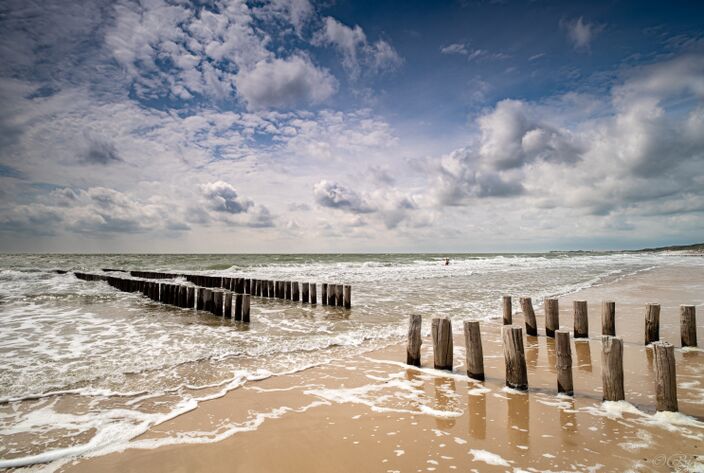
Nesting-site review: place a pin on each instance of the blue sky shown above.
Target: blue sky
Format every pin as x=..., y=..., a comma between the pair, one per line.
x=290, y=125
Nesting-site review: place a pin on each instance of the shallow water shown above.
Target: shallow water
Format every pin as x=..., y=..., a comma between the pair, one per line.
x=86, y=367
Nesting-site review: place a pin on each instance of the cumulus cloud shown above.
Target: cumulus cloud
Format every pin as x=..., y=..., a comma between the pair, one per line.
x=333, y=195
x=222, y=197
x=357, y=52
x=223, y=204
x=284, y=83
x=579, y=32
x=101, y=152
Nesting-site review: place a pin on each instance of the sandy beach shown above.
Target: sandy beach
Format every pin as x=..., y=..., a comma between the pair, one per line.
x=374, y=413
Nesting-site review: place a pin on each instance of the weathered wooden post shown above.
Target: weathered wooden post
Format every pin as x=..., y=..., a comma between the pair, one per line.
x=227, y=305
x=442, y=343
x=529, y=316
x=474, y=354
x=414, y=340
x=313, y=293
x=190, y=297
x=305, y=291
x=564, y=362
x=688, y=325
x=182, y=296
x=665, y=377
x=287, y=295
x=331, y=295
x=201, y=298
x=338, y=295
x=612, y=368
x=347, y=296
x=608, y=318
x=295, y=294
x=652, y=323
x=208, y=300
x=514, y=357
x=324, y=294
x=508, y=311
x=552, y=316
x=217, y=302
x=238, y=306
x=581, y=321
x=245, y=308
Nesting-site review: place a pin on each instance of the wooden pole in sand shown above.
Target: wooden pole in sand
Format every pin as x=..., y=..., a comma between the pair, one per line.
x=245, y=308
x=313, y=293
x=552, y=316
x=665, y=377
x=474, y=355
x=442, y=343
x=652, y=323
x=529, y=316
x=515, y=358
x=608, y=318
x=508, y=311
x=305, y=291
x=581, y=320
x=414, y=340
x=347, y=296
x=688, y=325
x=324, y=294
x=612, y=368
x=564, y=362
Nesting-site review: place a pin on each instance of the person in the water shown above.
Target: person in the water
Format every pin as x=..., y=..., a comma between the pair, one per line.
x=447, y=261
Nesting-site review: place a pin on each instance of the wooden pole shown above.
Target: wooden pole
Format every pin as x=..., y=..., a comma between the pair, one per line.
x=688, y=325
x=581, y=320
x=295, y=294
x=442, y=343
x=508, y=311
x=665, y=377
x=217, y=302
x=564, y=362
x=529, y=316
x=652, y=323
x=245, y=308
x=208, y=300
x=348, y=296
x=238, y=306
x=313, y=293
x=612, y=368
x=338, y=295
x=201, y=297
x=414, y=340
x=552, y=316
x=331, y=295
x=515, y=358
x=227, y=305
x=474, y=355
x=287, y=294
x=305, y=291
x=324, y=294
x=608, y=318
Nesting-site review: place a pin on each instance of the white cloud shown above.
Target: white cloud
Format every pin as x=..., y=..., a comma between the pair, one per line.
x=455, y=48
x=579, y=32
x=285, y=83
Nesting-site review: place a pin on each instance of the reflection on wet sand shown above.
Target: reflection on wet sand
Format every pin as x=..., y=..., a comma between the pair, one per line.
x=476, y=405
x=532, y=351
x=552, y=356
x=445, y=401
x=568, y=422
x=584, y=356
x=518, y=418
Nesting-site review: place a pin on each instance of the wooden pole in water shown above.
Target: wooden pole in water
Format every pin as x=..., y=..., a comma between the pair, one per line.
x=552, y=316
x=295, y=293
x=324, y=294
x=581, y=321
x=564, y=362
x=238, y=306
x=529, y=316
x=688, y=325
x=442, y=343
x=508, y=310
x=182, y=296
x=227, y=305
x=652, y=323
x=474, y=355
x=245, y=308
x=612, y=368
x=201, y=297
x=665, y=377
x=331, y=295
x=514, y=357
x=208, y=300
x=305, y=291
x=313, y=293
x=347, y=296
x=217, y=303
x=414, y=340
x=608, y=318
x=338, y=295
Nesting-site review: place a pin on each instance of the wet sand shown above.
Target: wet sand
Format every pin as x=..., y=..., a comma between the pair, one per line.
x=376, y=414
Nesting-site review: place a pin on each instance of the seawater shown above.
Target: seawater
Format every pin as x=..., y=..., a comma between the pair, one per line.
x=86, y=368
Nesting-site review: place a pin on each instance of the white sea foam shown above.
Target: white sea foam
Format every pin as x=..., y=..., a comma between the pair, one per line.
x=489, y=458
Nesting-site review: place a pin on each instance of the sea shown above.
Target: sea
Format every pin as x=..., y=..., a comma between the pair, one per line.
x=85, y=368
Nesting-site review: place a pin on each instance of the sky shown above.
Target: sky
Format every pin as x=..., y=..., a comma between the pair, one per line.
x=289, y=126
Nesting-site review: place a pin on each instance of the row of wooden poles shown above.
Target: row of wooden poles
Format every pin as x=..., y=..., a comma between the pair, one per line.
x=216, y=301
x=514, y=354
x=688, y=325
x=339, y=295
